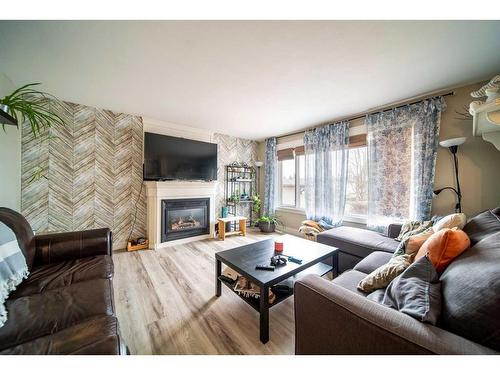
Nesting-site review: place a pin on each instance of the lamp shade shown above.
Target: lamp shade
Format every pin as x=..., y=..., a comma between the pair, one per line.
x=452, y=142
x=259, y=164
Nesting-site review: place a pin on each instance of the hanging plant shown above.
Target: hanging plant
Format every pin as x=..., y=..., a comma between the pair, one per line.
x=29, y=104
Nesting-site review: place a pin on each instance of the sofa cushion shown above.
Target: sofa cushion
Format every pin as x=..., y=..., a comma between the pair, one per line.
x=94, y=336
x=482, y=225
x=444, y=246
x=456, y=220
x=57, y=275
x=416, y=292
x=382, y=276
x=45, y=313
x=373, y=261
x=471, y=293
x=356, y=241
x=350, y=280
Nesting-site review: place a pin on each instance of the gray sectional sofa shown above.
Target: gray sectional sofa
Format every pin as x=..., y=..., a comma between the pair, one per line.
x=334, y=317
x=354, y=244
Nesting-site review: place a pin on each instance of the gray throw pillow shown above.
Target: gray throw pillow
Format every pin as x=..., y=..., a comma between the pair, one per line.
x=416, y=292
x=483, y=225
x=471, y=293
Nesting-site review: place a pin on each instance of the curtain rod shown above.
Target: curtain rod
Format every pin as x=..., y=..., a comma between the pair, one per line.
x=361, y=115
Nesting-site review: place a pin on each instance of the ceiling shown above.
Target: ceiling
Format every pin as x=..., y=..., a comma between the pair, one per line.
x=251, y=79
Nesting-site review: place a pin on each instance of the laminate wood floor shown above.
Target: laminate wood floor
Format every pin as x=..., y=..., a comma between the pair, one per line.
x=165, y=304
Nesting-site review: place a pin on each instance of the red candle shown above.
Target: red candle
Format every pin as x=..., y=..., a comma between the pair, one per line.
x=278, y=246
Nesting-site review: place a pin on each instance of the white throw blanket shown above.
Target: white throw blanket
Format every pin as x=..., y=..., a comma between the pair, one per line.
x=13, y=267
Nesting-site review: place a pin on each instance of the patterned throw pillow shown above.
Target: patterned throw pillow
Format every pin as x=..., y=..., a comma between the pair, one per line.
x=413, y=227
x=382, y=276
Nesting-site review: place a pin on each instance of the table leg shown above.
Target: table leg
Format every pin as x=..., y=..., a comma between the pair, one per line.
x=243, y=227
x=264, y=315
x=222, y=230
x=335, y=264
x=218, y=272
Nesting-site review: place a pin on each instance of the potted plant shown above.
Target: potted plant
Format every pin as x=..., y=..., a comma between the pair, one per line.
x=267, y=224
x=29, y=104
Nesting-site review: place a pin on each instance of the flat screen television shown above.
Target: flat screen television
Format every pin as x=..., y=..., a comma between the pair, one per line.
x=172, y=158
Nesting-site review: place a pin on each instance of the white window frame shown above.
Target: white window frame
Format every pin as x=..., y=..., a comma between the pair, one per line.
x=290, y=207
x=356, y=218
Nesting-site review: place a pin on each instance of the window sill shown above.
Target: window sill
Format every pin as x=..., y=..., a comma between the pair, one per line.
x=355, y=219
x=291, y=210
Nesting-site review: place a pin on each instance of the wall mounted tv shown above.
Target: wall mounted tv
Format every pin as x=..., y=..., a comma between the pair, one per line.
x=171, y=158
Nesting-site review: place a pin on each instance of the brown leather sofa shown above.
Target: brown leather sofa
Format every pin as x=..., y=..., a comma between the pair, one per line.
x=65, y=306
x=334, y=317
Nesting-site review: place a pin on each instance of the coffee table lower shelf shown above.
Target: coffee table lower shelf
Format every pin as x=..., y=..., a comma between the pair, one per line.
x=320, y=269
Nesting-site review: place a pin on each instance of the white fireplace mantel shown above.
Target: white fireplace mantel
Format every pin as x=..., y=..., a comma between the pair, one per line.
x=158, y=190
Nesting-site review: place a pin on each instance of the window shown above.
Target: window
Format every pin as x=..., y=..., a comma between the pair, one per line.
x=292, y=176
x=357, y=184
x=287, y=178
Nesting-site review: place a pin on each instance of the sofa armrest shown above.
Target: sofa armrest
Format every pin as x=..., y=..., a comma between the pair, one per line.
x=58, y=247
x=393, y=230
x=330, y=319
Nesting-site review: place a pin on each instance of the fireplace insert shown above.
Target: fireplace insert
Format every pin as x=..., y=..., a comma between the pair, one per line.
x=182, y=218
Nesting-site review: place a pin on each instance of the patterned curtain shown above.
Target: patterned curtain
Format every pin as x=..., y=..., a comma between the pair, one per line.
x=271, y=178
x=326, y=157
x=402, y=149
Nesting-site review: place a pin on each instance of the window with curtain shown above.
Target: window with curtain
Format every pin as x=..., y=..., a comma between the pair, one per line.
x=402, y=149
x=356, y=207
x=291, y=178
x=326, y=157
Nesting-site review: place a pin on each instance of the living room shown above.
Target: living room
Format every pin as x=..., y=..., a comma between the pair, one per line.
x=160, y=177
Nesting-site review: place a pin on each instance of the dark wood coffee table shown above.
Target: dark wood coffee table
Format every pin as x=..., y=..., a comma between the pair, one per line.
x=243, y=260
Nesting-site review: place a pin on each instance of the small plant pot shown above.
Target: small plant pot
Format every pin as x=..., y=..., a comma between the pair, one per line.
x=267, y=227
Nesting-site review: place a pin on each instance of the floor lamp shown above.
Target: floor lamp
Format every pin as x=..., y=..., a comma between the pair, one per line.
x=452, y=145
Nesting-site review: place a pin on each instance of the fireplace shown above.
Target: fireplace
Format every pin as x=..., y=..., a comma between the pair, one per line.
x=182, y=218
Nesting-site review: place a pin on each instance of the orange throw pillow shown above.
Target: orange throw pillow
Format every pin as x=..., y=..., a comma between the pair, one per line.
x=444, y=246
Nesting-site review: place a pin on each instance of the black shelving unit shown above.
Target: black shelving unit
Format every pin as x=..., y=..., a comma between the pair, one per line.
x=239, y=189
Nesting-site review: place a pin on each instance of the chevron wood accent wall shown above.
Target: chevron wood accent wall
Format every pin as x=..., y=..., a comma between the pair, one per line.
x=230, y=149
x=93, y=173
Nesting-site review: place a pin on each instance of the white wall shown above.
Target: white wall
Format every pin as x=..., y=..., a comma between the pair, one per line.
x=10, y=167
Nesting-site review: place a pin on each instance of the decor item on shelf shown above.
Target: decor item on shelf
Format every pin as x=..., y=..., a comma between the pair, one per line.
x=486, y=114
x=224, y=211
x=267, y=224
x=27, y=103
x=452, y=144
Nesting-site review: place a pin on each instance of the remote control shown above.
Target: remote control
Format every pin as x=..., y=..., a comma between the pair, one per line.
x=264, y=267
x=294, y=260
